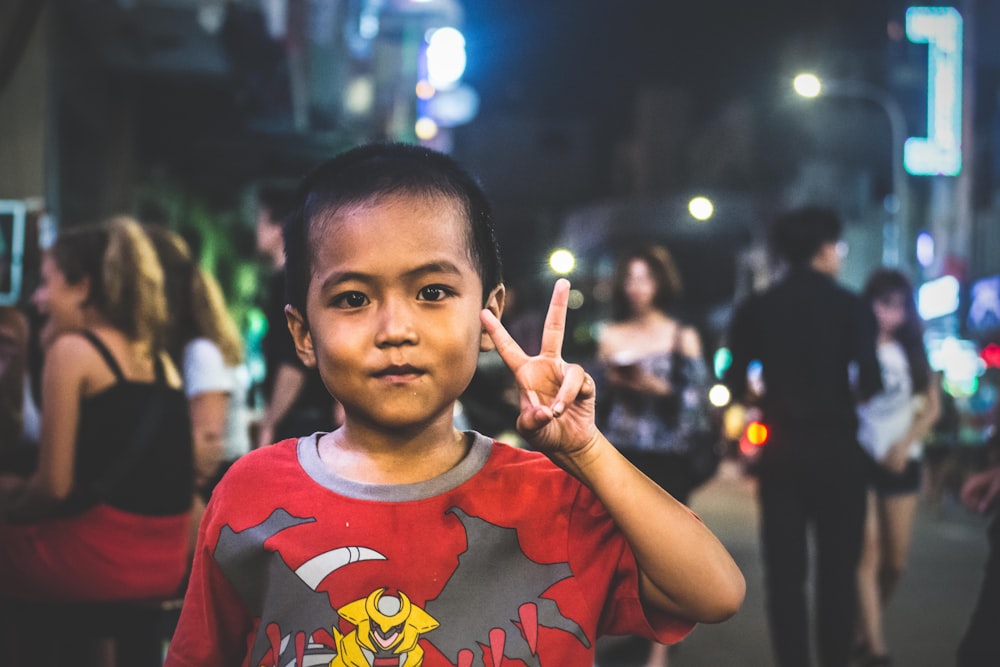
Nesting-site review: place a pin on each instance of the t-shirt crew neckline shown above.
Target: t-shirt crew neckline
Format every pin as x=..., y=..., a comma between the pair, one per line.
x=475, y=459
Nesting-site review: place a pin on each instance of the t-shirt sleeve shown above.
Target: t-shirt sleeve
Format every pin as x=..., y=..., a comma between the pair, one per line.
x=604, y=562
x=204, y=369
x=214, y=624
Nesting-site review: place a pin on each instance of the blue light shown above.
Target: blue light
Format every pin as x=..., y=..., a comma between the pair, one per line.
x=925, y=249
x=940, y=153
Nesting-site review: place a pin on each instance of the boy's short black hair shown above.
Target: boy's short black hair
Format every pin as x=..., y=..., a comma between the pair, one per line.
x=797, y=235
x=378, y=170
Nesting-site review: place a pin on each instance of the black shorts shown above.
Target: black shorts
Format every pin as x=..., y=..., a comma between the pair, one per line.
x=887, y=483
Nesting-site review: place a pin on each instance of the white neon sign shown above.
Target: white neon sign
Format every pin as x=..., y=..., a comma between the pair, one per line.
x=940, y=153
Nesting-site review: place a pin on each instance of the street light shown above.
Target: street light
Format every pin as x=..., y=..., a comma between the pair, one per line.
x=701, y=208
x=562, y=261
x=895, y=239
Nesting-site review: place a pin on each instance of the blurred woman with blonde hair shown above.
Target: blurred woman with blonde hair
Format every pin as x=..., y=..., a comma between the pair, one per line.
x=204, y=340
x=105, y=514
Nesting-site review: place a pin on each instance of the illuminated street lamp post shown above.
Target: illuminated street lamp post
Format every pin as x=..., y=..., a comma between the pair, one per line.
x=895, y=237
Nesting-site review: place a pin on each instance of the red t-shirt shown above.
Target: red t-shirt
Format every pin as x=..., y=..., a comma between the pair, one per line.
x=505, y=558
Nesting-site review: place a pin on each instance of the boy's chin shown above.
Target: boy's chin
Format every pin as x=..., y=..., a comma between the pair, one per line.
x=401, y=421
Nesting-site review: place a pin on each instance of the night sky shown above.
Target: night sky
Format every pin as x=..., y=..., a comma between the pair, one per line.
x=583, y=57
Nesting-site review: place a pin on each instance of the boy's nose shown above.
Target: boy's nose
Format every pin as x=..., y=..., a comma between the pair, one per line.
x=396, y=324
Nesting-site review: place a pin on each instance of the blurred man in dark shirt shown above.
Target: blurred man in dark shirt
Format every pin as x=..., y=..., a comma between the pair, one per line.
x=296, y=402
x=815, y=342
x=980, y=645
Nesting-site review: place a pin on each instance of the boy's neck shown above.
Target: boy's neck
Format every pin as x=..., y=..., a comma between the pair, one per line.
x=377, y=456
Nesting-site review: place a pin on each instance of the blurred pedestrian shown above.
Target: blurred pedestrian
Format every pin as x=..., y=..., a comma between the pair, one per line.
x=105, y=515
x=204, y=340
x=893, y=426
x=649, y=359
x=980, y=646
x=18, y=413
x=296, y=402
x=806, y=332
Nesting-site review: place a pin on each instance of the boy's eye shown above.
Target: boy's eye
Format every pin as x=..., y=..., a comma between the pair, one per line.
x=433, y=293
x=350, y=300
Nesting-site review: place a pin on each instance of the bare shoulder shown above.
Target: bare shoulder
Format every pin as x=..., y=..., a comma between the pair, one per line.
x=73, y=358
x=71, y=347
x=688, y=341
x=609, y=336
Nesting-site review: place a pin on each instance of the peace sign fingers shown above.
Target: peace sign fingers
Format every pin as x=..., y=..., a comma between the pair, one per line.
x=554, y=330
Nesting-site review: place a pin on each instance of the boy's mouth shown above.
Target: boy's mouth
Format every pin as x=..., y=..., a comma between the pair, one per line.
x=399, y=372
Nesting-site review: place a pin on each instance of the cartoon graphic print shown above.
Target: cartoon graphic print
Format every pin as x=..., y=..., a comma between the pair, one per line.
x=299, y=627
x=486, y=576
x=386, y=631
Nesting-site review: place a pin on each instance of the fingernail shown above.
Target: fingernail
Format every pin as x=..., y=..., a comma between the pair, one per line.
x=558, y=409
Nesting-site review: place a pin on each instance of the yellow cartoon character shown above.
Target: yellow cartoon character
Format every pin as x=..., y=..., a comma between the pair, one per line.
x=386, y=630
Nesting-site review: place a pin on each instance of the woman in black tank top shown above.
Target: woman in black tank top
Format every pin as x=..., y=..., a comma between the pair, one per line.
x=104, y=516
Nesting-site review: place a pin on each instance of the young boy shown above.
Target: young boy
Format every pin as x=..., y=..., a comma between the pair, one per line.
x=397, y=540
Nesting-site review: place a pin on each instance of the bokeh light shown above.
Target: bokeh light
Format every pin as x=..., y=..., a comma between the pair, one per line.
x=701, y=208
x=446, y=57
x=425, y=90
x=562, y=261
x=925, y=249
x=719, y=395
x=807, y=85
x=425, y=129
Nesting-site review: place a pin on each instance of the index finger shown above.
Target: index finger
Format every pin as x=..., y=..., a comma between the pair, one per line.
x=508, y=349
x=555, y=320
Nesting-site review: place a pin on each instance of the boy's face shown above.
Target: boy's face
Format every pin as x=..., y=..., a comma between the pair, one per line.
x=393, y=309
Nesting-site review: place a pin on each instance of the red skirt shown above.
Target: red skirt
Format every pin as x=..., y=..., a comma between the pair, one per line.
x=102, y=554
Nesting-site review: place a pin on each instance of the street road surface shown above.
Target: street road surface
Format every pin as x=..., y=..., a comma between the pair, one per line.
x=925, y=619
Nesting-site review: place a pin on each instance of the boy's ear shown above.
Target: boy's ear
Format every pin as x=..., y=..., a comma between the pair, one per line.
x=299, y=329
x=494, y=304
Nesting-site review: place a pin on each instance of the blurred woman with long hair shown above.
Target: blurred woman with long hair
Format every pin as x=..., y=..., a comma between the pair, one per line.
x=650, y=359
x=204, y=340
x=892, y=427
x=105, y=514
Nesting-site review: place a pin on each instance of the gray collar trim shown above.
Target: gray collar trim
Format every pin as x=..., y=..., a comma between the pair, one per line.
x=479, y=452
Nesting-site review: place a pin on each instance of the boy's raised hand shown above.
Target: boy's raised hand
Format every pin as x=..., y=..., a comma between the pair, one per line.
x=557, y=398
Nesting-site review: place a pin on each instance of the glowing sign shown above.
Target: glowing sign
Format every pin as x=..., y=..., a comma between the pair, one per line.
x=12, y=228
x=940, y=153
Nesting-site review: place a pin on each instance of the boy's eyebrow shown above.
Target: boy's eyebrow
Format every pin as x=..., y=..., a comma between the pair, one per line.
x=443, y=266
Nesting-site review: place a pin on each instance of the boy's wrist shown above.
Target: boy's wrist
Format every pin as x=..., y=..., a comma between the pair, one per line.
x=580, y=461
